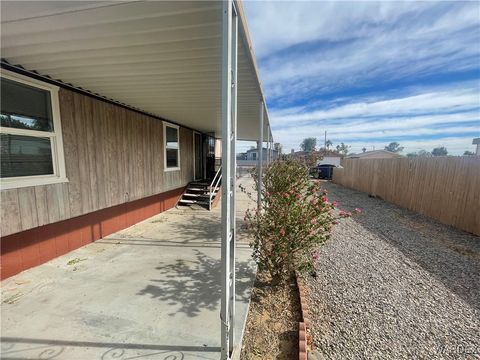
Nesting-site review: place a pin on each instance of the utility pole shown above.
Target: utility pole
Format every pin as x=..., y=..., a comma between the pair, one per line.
x=325, y=143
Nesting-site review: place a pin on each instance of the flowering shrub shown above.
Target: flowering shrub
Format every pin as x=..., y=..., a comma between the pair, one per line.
x=295, y=217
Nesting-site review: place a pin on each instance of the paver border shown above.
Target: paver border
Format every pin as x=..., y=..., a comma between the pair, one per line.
x=304, y=336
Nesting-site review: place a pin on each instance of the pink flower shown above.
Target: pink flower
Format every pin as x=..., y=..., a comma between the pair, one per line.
x=316, y=256
x=357, y=211
x=344, y=214
x=324, y=198
x=334, y=204
x=314, y=221
x=282, y=232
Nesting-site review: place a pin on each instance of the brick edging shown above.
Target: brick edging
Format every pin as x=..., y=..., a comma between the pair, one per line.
x=304, y=337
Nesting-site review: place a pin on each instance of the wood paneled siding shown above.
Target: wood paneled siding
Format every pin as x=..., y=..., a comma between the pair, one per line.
x=112, y=156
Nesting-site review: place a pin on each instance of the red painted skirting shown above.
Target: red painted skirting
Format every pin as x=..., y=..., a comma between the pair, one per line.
x=36, y=246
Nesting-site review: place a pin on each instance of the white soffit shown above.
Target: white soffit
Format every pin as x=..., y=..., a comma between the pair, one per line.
x=162, y=57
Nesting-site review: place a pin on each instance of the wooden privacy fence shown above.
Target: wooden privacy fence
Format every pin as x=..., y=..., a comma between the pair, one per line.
x=444, y=188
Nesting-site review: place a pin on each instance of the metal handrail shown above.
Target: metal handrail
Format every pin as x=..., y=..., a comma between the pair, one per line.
x=214, y=185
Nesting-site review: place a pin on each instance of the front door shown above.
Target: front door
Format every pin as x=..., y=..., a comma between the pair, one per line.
x=197, y=156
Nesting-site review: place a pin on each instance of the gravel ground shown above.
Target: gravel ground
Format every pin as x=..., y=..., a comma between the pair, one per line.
x=392, y=284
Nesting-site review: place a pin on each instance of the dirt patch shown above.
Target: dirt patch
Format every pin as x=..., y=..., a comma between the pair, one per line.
x=272, y=324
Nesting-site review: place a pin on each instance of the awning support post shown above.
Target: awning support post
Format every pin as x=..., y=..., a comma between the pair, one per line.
x=260, y=159
x=229, y=136
x=233, y=175
x=268, y=146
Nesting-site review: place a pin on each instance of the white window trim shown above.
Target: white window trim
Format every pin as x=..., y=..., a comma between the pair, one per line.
x=165, y=125
x=58, y=158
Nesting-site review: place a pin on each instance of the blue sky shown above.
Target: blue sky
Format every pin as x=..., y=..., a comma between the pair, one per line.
x=370, y=72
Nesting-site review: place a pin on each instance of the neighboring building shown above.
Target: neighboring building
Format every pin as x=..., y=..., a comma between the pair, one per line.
x=375, y=154
x=332, y=159
x=324, y=157
x=476, y=141
x=242, y=156
x=107, y=114
x=250, y=157
x=300, y=154
x=252, y=154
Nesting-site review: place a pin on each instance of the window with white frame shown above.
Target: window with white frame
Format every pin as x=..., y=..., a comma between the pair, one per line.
x=172, y=147
x=31, y=147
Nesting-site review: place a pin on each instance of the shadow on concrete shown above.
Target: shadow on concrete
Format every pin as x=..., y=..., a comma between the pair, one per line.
x=195, y=285
x=450, y=255
x=154, y=242
x=20, y=348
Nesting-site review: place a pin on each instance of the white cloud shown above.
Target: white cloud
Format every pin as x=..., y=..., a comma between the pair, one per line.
x=310, y=49
x=431, y=102
x=391, y=40
x=455, y=145
x=294, y=22
x=411, y=120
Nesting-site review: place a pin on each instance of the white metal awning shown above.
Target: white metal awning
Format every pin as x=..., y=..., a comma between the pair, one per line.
x=161, y=57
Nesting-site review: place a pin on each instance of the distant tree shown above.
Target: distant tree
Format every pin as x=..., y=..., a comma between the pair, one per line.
x=412, y=154
x=364, y=149
x=253, y=147
x=343, y=148
x=468, y=153
x=394, y=147
x=308, y=144
x=278, y=148
x=424, y=153
x=328, y=143
x=439, y=151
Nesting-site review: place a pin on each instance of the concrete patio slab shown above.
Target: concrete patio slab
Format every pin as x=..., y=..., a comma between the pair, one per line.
x=149, y=291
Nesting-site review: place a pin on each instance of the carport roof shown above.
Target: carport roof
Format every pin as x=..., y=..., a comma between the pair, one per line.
x=161, y=57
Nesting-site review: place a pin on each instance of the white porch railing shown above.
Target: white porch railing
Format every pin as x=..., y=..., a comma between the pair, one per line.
x=214, y=186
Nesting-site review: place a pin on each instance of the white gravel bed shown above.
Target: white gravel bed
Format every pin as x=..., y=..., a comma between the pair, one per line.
x=392, y=284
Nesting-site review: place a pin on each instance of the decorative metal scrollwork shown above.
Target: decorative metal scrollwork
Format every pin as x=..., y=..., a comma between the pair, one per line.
x=117, y=353
x=47, y=352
